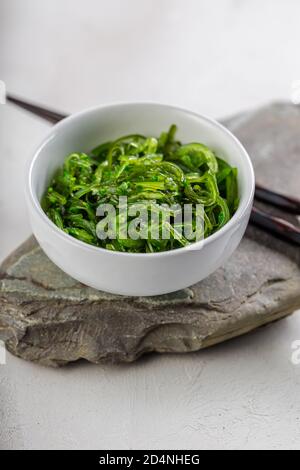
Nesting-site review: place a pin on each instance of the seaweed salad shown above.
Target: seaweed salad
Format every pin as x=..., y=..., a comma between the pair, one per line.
x=161, y=175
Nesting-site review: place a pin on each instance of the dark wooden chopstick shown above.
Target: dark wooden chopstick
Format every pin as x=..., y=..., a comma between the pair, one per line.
x=48, y=114
x=286, y=203
x=275, y=225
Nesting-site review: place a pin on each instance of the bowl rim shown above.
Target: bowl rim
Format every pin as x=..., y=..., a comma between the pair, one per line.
x=35, y=204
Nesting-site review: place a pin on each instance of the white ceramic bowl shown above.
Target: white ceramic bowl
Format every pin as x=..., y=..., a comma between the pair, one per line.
x=126, y=273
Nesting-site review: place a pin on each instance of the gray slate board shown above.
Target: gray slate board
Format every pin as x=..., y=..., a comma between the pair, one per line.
x=49, y=318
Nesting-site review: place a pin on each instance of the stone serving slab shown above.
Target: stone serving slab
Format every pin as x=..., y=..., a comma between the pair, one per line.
x=49, y=318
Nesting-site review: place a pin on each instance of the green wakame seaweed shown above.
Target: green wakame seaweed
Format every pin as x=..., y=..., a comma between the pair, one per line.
x=158, y=173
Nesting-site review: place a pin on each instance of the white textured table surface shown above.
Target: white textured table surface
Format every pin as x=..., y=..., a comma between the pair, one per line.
x=216, y=58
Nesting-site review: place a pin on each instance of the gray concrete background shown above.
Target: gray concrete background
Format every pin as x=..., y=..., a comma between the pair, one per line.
x=214, y=57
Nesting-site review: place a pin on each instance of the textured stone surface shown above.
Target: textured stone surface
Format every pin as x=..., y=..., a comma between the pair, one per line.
x=47, y=317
